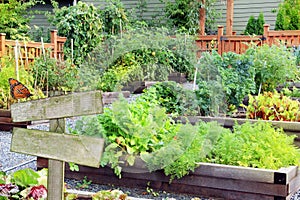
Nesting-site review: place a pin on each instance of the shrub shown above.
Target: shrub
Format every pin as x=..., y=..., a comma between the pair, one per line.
x=184, y=15
x=81, y=23
x=14, y=19
x=137, y=55
x=255, y=26
x=288, y=16
x=273, y=65
x=230, y=78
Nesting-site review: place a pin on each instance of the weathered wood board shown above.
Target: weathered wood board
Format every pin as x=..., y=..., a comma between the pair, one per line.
x=77, y=104
x=64, y=147
x=208, y=180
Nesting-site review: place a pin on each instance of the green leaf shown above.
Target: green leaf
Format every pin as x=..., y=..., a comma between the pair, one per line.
x=25, y=177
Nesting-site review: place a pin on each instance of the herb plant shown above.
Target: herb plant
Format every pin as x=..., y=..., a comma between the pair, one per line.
x=273, y=65
x=53, y=74
x=173, y=97
x=256, y=145
x=293, y=92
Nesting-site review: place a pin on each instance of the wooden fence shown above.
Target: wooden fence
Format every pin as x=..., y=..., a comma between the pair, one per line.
x=240, y=43
x=27, y=51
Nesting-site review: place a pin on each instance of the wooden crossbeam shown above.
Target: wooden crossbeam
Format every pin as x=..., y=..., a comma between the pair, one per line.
x=64, y=147
x=77, y=104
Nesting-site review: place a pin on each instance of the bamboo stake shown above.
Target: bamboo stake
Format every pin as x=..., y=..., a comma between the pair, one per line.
x=195, y=78
x=72, y=51
x=17, y=61
x=43, y=48
x=26, y=54
x=19, y=52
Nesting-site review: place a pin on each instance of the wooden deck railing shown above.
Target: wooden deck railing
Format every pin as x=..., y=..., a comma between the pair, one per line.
x=240, y=43
x=27, y=51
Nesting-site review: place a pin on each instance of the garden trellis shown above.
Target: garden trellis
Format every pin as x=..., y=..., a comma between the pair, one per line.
x=54, y=144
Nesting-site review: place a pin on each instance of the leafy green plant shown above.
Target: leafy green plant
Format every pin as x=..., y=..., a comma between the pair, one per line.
x=114, y=17
x=138, y=55
x=53, y=74
x=139, y=129
x=273, y=106
x=273, y=65
x=8, y=70
x=288, y=16
x=173, y=97
x=82, y=24
x=85, y=183
x=255, y=26
x=294, y=92
x=24, y=184
x=256, y=145
x=14, y=19
x=202, y=144
x=233, y=72
x=184, y=15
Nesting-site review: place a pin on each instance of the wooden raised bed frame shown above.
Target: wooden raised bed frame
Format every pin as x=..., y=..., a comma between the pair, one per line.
x=208, y=180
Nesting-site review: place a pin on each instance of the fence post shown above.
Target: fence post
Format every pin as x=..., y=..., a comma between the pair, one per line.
x=220, y=34
x=2, y=45
x=202, y=18
x=54, y=42
x=266, y=33
x=229, y=17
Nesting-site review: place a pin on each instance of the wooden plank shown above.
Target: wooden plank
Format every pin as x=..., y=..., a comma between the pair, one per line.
x=55, y=182
x=235, y=172
x=229, y=122
x=65, y=147
x=77, y=104
x=109, y=97
x=294, y=184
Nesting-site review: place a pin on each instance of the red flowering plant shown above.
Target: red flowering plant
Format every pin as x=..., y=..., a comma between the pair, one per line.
x=23, y=184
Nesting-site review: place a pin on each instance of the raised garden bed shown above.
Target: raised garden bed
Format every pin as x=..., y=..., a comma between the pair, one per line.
x=208, y=180
x=138, y=86
x=6, y=123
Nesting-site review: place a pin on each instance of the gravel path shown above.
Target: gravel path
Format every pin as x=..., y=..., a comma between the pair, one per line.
x=10, y=162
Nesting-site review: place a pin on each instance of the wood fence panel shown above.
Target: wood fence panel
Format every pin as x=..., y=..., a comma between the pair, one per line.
x=28, y=51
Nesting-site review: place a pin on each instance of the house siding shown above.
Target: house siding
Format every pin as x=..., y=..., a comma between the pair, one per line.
x=242, y=11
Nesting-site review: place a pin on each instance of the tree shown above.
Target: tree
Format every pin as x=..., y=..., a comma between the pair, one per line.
x=14, y=18
x=288, y=16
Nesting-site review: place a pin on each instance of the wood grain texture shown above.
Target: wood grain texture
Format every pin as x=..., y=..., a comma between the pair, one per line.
x=64, y=147
x=76, y=104
x=56, y=168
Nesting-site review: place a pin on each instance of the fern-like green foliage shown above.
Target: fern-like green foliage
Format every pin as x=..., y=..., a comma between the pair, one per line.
x=256, y=145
